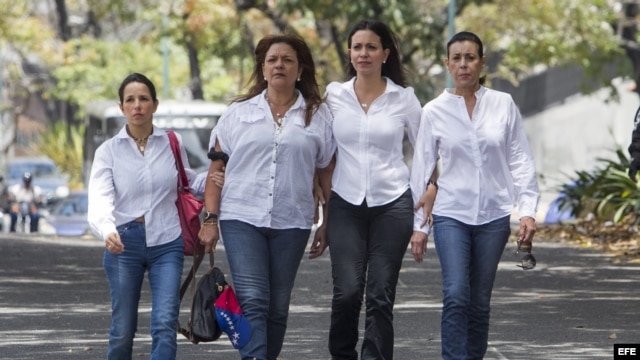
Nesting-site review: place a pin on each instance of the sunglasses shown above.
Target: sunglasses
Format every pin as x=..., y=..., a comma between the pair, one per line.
x=528, y=262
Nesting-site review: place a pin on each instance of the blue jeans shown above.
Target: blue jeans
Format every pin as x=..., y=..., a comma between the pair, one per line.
x=125, y=273
x=263, y=263
x=33, y=223
x=469, y=257
x=367, y=245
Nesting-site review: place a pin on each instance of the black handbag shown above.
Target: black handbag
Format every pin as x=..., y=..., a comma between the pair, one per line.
x=202, y=325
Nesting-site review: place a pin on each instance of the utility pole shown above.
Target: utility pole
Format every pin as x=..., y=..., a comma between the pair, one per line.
x=452, y=31
x=165, y=59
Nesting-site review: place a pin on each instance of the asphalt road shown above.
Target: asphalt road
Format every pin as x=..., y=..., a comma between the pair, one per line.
x=54, y=304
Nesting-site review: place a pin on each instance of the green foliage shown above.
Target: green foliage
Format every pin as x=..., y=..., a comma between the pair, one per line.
x=92, y=69
x=65, y=152
x=551, y=33
x=607, y=191
x=419, y=25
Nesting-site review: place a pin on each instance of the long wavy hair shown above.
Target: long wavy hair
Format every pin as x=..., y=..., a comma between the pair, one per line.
x=392, y=68
x=308, y=85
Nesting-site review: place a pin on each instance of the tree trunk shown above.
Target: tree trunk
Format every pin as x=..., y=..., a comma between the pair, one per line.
x=629, y=40
x=195, y=82
x=63, y=20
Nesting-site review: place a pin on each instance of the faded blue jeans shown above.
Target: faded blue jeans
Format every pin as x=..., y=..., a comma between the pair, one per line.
x=264, y=263
x=469, y=257
x=125, y=273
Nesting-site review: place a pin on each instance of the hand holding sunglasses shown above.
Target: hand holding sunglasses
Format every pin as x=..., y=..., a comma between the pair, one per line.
x=528, y=262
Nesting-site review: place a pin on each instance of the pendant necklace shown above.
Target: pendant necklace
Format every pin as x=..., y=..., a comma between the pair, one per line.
x=279, y=118
x=141, y=142
x=364, y=106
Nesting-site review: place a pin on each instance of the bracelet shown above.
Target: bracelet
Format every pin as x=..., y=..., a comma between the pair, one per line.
x=209, y=223
x=431, y=182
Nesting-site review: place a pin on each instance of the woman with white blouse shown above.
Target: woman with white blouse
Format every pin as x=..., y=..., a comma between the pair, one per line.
x=487, y=168
x=132, y=206
x=275, y=136
x=370, y=208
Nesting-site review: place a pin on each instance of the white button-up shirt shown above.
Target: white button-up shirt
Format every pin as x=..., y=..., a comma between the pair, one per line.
x=487, y=165
x=269, y=176
x=124, y=185
x=370, y=163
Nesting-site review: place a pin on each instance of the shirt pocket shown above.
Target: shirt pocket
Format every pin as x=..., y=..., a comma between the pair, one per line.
x=251, y=117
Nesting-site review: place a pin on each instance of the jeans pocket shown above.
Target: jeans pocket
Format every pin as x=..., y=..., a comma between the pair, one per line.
x=122, y=229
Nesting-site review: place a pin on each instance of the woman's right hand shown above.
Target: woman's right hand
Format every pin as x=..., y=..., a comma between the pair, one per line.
x=113, y=243
x=209, y=235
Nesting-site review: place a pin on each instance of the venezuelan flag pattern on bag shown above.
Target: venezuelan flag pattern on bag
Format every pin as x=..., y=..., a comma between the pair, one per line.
x=230, y=318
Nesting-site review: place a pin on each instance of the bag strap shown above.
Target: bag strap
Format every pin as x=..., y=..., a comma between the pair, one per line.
x=198, y=256
x=183, y=181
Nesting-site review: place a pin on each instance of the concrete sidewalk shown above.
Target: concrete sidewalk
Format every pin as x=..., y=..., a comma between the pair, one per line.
x=54, y=304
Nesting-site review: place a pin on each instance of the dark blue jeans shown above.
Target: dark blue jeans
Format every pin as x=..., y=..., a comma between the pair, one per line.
x=263, y=263
x=125, y=273
x=469, y=257
x=33, y=222
x=367, y=245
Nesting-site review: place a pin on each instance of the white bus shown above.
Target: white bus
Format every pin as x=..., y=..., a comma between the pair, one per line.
x=193, y=120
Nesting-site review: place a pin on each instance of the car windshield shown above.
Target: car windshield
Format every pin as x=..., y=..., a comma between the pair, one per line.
x=74, y=204
x=37, y=170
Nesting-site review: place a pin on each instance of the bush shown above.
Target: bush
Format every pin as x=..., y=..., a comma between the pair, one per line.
x=65, y=152
x=607, y=192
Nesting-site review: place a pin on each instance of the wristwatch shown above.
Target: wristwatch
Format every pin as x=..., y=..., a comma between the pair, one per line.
x=210, y=216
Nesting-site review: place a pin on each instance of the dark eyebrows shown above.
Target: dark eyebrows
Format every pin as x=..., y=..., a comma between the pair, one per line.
x=285, y=56
x=464, y=54
x=367, y=44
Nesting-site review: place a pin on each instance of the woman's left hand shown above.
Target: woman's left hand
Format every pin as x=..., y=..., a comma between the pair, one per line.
x=426, y=202
x=527, y=229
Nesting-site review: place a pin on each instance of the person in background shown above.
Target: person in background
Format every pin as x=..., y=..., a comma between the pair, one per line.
x=24, y=199
x=4, y=195
x=634, y=148
x=487, y=168
x=4, y=202
x=274, y=137
x=369, y=215
x=132, y=207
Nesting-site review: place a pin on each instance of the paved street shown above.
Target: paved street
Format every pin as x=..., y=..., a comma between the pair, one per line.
x=576, y=304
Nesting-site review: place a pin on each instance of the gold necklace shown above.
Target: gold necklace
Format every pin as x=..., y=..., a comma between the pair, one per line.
x=279, y=118
x=141, y=142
